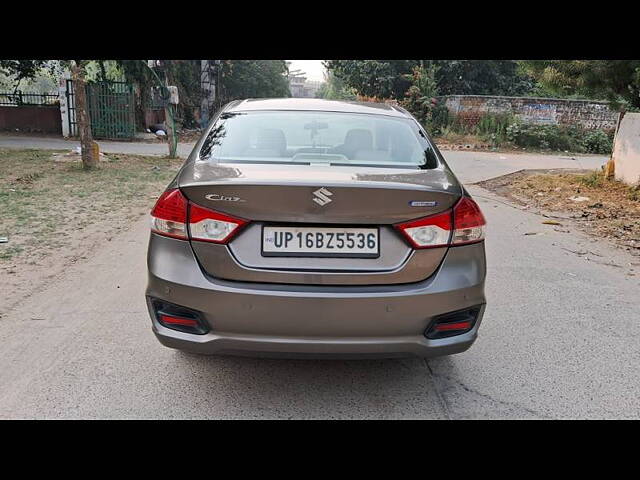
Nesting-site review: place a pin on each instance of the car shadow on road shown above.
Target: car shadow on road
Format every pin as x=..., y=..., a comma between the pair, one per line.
x=243, y=387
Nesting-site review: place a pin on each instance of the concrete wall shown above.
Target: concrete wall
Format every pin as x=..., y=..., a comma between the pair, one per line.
x=584, y=113
x=42, y=119
x=626, y=149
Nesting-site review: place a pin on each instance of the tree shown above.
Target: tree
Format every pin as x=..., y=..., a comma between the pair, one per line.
x=392, y=78
x=238, y=79
x=419, y=97
x=334, y=88
x=374, y=78
x=615, y=80
x=21, y=69
x=28, y=69
x=89, y=153
x=482, y=77
x=253, y=79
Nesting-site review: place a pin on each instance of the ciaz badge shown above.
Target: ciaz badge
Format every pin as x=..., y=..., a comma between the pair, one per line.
x=216, y=197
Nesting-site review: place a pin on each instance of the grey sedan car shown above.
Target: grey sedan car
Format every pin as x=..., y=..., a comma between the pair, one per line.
x=307, y=227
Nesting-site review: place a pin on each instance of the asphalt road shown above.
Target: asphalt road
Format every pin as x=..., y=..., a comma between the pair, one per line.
x=559, y=340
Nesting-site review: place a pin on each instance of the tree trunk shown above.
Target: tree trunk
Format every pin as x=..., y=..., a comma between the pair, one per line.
x=171, y=130
x=169, y=117
x=89, y=157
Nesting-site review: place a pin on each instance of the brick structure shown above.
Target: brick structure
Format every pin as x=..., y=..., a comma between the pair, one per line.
x=29, y=118
x=587, y=114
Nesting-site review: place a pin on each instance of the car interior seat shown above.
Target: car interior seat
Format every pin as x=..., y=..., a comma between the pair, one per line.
x=355, y=140
x=270, y=142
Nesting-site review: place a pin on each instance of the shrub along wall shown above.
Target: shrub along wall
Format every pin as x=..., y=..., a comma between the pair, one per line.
x=586, y=114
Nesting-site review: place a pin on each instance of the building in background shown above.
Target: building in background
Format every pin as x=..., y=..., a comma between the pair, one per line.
x=300, y=86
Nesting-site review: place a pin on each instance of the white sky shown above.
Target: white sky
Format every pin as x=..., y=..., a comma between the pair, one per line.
x=313, y=68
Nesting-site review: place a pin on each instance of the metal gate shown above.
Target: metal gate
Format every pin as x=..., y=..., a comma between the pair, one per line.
x=111, y=107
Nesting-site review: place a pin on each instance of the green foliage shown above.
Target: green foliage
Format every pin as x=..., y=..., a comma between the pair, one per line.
x=482, y=77
x=253, y=79
x=540, y=136
x=440, y=119
x=374, y=78
x=598, y=141
x=392, y=78
x=103, y=70
x=493, y=126
x=615, y=80
x=559, y=137
x=335, y=89
x=238, y=79
x=419, y=97
x=502, y=128
x=29, y=76
x=22, y=69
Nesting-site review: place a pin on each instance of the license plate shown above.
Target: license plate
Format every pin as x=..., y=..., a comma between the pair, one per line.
x=320, y=242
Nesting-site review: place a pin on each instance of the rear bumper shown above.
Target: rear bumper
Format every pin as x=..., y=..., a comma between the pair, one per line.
x=318, y=321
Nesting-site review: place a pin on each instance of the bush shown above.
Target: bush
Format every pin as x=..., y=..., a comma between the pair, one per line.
x=541, y=136
x=440, y=119
x=493, y=126
x=593, y=179
x=498, y=128
x=598, y=141
x=560, y=137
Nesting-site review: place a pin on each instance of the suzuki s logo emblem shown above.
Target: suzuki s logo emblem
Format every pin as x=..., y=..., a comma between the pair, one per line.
x=322, y=196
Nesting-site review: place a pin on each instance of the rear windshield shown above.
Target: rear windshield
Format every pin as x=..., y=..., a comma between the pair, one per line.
x=308, y=137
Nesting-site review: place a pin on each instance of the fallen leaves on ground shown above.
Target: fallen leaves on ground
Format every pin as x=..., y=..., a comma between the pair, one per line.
x=603, y=208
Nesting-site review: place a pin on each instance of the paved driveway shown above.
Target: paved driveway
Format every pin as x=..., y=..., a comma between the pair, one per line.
x=559, y=340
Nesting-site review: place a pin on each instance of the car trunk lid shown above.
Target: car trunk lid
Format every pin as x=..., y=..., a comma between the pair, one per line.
x=318, y=196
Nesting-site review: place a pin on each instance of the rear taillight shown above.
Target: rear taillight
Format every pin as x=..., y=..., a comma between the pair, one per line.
x=210, y=226
x=169, y=215
x=468, y=222
x=428, y=232
x=461, y=225
x=173, y=212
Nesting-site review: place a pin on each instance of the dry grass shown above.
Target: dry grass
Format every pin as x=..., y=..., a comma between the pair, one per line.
x=604, y=208
x=451, y=137
x=54, y=212
x=46, y=196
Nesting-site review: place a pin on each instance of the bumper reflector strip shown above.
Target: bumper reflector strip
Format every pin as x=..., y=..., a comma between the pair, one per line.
x=190, y=322
x=453, y=323
x=443, y=327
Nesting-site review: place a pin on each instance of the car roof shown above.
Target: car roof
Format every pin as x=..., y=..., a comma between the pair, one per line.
x=316, y=104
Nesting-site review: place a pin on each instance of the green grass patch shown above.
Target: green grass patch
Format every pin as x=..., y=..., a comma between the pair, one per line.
x=44, y=195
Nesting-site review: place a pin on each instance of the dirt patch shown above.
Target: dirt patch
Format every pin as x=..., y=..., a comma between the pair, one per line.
x=54, y=213
x=600, y=207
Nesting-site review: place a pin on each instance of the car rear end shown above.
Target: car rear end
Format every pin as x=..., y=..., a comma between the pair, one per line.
x=316, y=253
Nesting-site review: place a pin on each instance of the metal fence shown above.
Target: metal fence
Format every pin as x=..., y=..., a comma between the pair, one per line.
x=18, y=98
x=111, y=107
